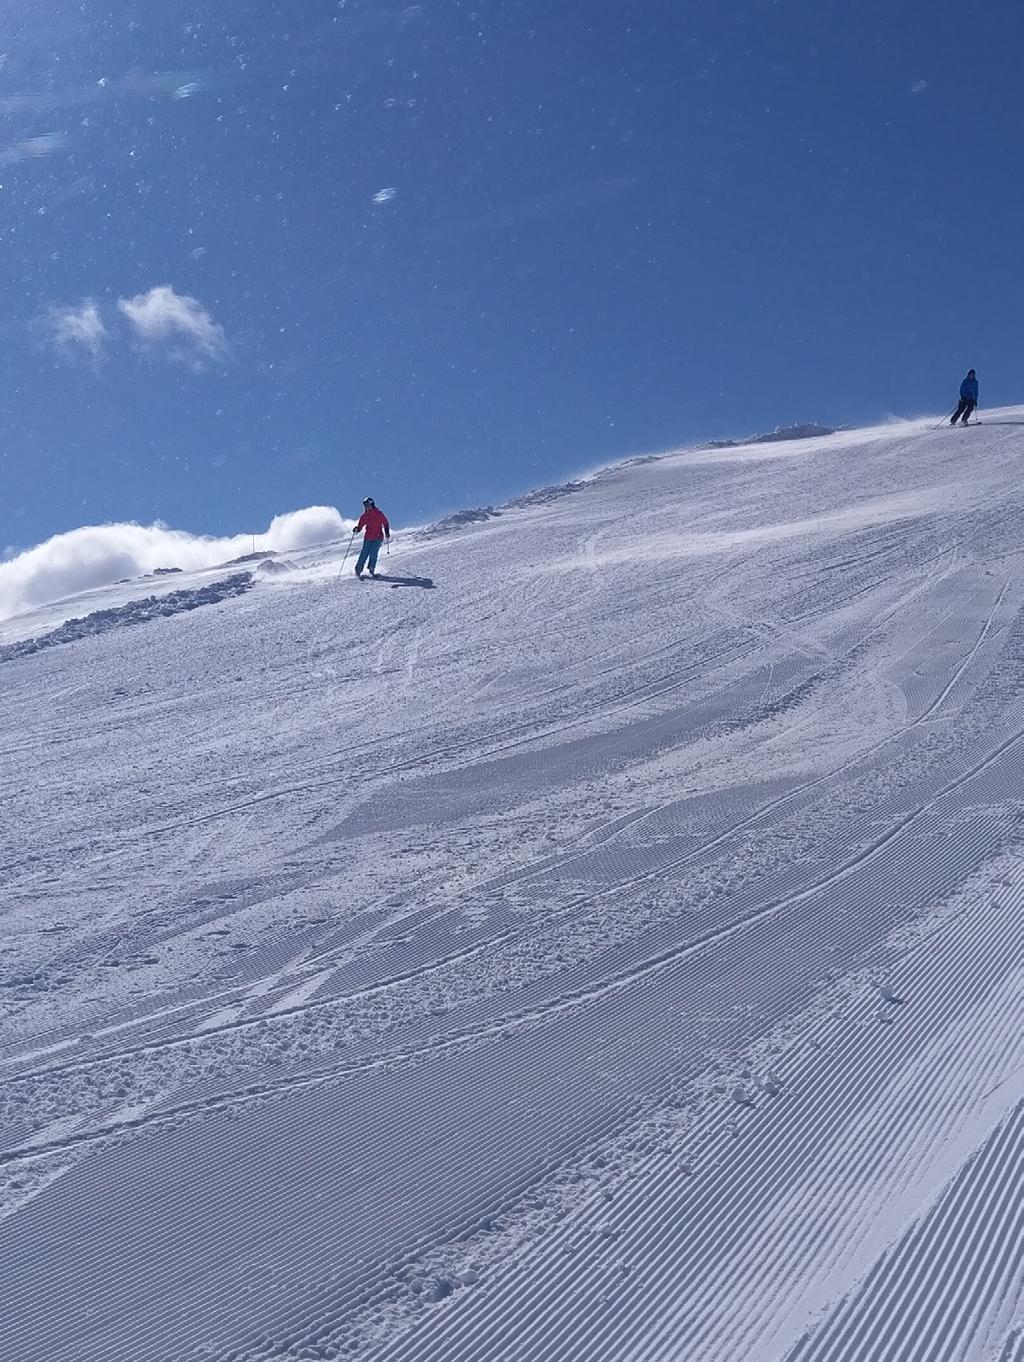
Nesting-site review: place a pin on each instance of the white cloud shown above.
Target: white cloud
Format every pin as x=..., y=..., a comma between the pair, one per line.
x=163, y=316
x=99, y=555
x=76, y=328
x=919, y=87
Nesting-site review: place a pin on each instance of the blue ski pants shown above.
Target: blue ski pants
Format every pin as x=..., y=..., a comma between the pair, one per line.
x=368, y=555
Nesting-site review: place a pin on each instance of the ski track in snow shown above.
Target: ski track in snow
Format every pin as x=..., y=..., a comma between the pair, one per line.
x=614, y=953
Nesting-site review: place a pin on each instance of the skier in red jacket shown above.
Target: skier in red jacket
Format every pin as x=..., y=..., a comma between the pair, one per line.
x=375, y=528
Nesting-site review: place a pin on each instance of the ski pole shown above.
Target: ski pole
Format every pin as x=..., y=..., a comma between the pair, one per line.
x=347, y=547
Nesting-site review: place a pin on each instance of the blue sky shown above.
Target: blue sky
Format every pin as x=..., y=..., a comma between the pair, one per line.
x=259, y=257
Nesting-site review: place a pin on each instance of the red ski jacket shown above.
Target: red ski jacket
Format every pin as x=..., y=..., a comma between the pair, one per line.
x=374, y=524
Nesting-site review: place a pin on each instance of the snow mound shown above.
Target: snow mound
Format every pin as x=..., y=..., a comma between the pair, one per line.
x=544, y=495
x=458, y=519
x=135, y=612
x=257, y=557
x=807, y=431
x=274, y=567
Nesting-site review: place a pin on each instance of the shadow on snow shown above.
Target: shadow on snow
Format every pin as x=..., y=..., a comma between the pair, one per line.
x=427, y=583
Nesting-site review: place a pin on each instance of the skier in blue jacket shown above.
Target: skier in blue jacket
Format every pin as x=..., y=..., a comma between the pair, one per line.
x=968, y=398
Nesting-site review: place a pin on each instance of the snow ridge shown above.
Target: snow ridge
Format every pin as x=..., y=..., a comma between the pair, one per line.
x=125, y=616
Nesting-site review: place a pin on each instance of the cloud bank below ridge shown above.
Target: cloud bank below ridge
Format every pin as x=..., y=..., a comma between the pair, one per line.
x=99, y=555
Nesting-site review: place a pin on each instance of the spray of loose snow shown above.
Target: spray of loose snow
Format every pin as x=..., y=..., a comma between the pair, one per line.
x=98, y=555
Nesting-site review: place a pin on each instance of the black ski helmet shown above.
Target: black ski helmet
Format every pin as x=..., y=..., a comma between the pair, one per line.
x=970, y=373
x=369, y=501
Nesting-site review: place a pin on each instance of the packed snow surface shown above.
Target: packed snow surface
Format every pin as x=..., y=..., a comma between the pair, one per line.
x=597, y=941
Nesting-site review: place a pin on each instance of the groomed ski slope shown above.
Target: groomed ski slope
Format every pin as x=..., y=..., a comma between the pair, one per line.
x=598, y=942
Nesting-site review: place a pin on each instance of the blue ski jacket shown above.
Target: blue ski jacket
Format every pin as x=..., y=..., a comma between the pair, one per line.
x=969, y=390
